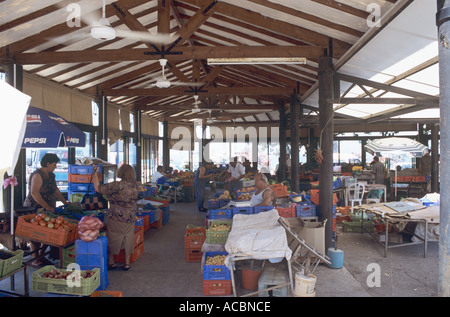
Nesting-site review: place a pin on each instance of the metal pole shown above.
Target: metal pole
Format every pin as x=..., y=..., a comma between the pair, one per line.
x=326, y=80
x=435, y=158
x=443, y=24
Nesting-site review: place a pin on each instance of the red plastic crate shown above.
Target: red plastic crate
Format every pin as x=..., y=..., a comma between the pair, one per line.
x=138, y=236
x=138, y=251
x=146, y=221
x=288, y=212
x=279, y=190
x=193, y=255
x=38, y=233
x=216, y=288
x=194, y=241
x=83, y=178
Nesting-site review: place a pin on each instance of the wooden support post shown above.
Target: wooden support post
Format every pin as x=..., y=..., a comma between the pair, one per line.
x=326, y=75
x=295, y=142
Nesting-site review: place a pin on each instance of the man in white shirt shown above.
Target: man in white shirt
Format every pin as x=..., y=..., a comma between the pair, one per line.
x=236, y=171
x=158, y=174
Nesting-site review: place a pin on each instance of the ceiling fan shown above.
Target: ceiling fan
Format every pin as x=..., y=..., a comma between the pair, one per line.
x=196, y=109
x=163, y=82
x=102, y=30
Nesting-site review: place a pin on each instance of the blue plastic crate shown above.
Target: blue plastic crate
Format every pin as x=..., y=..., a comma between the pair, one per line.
x=81, y=187
x=305, y=210
x=139, y=222
x=83, y=169
x=90, y=255
x=337, y=183
x=165, y=215
x=242, y=210
x=213, y=204
x=220, y=214
x=258, y=209
x=215, y=272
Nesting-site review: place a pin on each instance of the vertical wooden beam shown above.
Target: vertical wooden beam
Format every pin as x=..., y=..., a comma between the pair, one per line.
x=166, y=150
x=326, y=74
x=295, y=141
x=102, y=140
x=138, y=140
x=283, y=127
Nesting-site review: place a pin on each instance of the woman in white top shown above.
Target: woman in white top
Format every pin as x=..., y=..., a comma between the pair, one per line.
x=264, y=195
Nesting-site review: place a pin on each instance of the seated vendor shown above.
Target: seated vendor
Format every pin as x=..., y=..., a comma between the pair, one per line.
x=264, y=195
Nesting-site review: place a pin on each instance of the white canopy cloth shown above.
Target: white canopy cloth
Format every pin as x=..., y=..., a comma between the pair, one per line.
x=13, y=114
x=258, y=236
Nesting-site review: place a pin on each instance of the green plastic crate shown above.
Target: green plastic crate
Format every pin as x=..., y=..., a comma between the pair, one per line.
x=355, y=226
x=218, y=237
x=12, y=264
x=50, y=285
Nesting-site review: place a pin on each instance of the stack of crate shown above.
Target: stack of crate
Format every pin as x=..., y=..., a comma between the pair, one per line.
x=216, y=275
x=193, y=242
x=91, y=255
x=80, y=181
x=138, y=247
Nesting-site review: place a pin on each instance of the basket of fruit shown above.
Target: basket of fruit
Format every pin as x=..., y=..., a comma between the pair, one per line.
x=71, y=282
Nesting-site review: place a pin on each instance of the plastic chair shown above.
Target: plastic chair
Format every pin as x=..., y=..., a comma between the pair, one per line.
x=374, y=196
x=358, y=194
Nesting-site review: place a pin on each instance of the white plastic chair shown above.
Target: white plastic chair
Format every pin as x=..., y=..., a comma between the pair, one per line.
x=356, y=194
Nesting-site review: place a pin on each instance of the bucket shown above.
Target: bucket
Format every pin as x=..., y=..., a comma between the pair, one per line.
x=336, y=258
x=305, y=286
x=250, y=279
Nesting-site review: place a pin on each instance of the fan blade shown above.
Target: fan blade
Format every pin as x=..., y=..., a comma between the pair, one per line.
x=189, y=84
x=145, y=36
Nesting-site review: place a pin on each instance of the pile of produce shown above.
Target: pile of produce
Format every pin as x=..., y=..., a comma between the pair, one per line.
x=215, y=260
x=89, y=228
x=225, y=195
x=63, y=275
x=74, y=207
x=44, y=220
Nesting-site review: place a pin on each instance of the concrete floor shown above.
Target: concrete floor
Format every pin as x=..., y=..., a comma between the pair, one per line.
x=162, y=271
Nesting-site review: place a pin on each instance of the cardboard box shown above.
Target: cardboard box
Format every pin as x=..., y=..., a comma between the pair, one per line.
x=314, y=235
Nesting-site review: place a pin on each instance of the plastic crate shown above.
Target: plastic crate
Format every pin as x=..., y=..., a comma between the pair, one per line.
x=220, y=214
x=106, y=294
x=306, y=210
x=273, y=275
x=287, y=212
x=241, y=192
x=82, y=187
x=165, y=215
x=279, y=190
x=139, y=222
x=355, y=226
x=258, y=209
x=193, y=255
x=194, y=237
x=137, y=253
x=83, y=169
x=215, y=272
x=213, y=204
x=12, y=264
x=68, y=255
x=56, y=237
x=242, y=210
x=157, y=223
x=86, y=286
x=90, y=255
x=217, y=288
x=218, y=237
x=83, y=178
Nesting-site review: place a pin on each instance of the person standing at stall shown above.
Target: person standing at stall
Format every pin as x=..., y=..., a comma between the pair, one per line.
x=122, y=196
x=264, y=195
x=378, y=170
x=425, y=168
x=43, y=193
x=202, y=176
x=236, y=172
